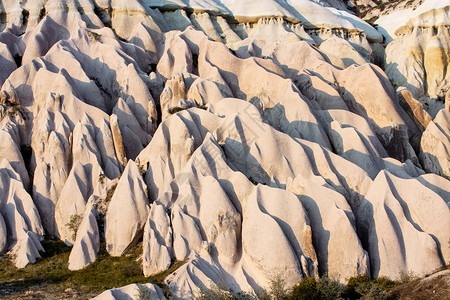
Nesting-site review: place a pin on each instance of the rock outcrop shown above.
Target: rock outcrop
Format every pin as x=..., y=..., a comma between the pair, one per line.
x=417, y=57
x=157, y=253
x=133, y=291
x=245, y=138
x=87, y=243
x=435, y=144
x=127, y=212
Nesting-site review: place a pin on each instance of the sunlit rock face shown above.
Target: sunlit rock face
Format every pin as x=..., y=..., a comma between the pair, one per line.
x=418, y=53
x=248, y=138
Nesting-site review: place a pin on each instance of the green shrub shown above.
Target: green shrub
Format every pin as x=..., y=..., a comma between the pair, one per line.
x=306, y=290
x=220, y=293
x=145, y=293
x=370, y=290
x=213, y=293
x=74, y=223
x=329, y=288
x=364, y=287
x=352, y=284
x=386, y=283
x=406, y=276
x=277, y=288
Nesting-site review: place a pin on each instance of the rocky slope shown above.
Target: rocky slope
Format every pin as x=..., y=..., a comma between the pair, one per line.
x=250, y=138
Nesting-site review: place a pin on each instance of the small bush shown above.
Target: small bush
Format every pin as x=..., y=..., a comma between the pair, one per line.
x=277, y=288
x=407, y=276
x=101, y=178
x=306, y=290
x=214, y=293
x=370, y=290
x=364, y=287
x=350, y=291
x=220, y=293
x=311, y=289
x=74, y=223
x=329, y=288
x=386, y=283
x=174, y=110
x=145, y=293
x=259, y=295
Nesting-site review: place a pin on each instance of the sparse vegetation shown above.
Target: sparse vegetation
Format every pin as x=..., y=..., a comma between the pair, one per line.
x=306, y=290
x=214, y=293
x=50, y=274
x=110, y=193
x=406, y=277
x=174, y=110
x=364, y=287
x=436, y=287
x=101, y=178
x=9, y=105
x=142, y=169
x=93, y=36
x=324, y=288
x=74, y=223
x=277, y=288
x=145, y=293
x=330, y=288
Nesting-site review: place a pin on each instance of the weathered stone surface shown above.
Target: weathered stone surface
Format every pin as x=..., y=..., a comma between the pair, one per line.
x=127, y=212
x=249, y=138
x=157, y=242
x=277, y=236
x=132, y=291
x=72, y=202
x=87, y=243
x=386, y=219
x=3, y=234
x=415, y=109
x=435, y=144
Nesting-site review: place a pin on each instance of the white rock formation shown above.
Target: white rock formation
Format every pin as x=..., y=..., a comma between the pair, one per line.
x=26, y=251
x=21, y=229
x=132, y=291
x=387, y=219
x=249, y=138
x=87, y=243
x=3, y=234
x=417, y=56
x=71, y=203
x=275, y=240
x=127, y=212
x=17, y=207
x=435, y=144
x=157, y=255
x=342, y=48
x=332, y=223
x=10, y=151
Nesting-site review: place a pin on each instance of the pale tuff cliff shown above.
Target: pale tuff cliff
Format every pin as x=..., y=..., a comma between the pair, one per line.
x=250, y=138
